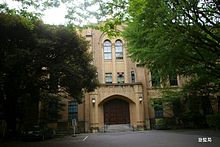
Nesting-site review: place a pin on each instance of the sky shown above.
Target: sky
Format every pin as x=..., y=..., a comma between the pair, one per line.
x=51, y=16
x=55, y=15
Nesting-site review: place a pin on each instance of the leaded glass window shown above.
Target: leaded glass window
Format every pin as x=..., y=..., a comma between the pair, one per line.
x=119, y=50
x=107, y=50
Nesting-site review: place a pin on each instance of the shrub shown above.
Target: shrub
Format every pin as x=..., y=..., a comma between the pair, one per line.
x=193, y=120
x=213, y=120
x=163, y=123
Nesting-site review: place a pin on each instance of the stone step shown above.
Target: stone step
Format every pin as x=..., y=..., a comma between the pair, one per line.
x=118, y=128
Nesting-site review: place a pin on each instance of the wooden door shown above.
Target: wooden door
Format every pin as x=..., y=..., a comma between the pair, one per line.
x=116, y=111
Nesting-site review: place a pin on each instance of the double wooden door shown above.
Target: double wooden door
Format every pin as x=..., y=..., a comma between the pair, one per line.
x=116, y=111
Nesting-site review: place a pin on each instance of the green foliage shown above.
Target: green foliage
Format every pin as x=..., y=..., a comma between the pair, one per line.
x=213, y=120
x=34, y=16
x=99, y=14
x=189, y=110
x=160, y=123
x=157, y=103
x=172, y=99
x=110, y=28
x=175, y=98
x=36, y=57
x=202, y=85
x=51, y=107
x=65, y=55
x=193, y=120
x=164, y=39
x=179, y=37
x=164, y=123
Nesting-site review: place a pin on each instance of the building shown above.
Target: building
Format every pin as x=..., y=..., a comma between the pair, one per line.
x=125, y=93
x=125, y=88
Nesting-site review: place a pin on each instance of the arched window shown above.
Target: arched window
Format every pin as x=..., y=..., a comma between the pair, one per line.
x=107, y=50
x=119, y=50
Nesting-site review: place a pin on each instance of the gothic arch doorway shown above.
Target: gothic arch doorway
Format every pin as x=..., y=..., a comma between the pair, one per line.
x=116, y=111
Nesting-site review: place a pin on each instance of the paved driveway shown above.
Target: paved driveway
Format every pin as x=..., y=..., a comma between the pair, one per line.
x=152, y=138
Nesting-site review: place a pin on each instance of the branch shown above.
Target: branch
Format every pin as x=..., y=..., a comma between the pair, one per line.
x=203, y=27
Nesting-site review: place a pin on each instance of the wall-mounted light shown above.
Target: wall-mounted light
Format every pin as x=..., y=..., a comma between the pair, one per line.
x=93, y=100
x=140, y=99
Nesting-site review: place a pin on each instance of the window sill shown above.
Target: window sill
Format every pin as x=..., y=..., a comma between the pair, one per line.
x=119, y=60
x=107, y=60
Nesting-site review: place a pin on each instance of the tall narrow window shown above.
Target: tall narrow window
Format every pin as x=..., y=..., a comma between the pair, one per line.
x=107, y=50
x=120, y=77
x=155, y=79
x=158, y=109
x=118, y=50
x=108, y=78
x=132, y=77
x=173, y=80
x=52, y=111
x=73, y=110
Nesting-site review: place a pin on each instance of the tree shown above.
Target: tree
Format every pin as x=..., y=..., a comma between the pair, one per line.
x=80, y=14
x=184, y=34
x=180, y=37
x=65, y=56
x=15, y=40
x=36, y=57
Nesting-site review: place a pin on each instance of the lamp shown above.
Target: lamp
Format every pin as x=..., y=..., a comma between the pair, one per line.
x=93, y=100
x=140, y=99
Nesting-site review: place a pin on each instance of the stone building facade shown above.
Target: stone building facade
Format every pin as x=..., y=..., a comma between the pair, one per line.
x=125, y=88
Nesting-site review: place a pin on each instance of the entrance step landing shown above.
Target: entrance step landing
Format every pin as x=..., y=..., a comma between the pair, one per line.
x=118, y=128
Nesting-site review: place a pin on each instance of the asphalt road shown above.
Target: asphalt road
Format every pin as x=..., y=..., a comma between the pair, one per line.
x=151, y=138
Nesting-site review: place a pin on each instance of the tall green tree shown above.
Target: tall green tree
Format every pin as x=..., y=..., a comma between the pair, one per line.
x=180, y=35
x=15, y=42
x=174, y=37
x=37, y=57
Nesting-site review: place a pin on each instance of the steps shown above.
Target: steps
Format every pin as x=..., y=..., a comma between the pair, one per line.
x=118, y=128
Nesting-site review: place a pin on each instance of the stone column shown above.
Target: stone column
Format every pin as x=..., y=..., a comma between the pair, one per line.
x=94, y=113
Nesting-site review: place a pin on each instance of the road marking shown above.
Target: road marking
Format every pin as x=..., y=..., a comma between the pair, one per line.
x=85, y=138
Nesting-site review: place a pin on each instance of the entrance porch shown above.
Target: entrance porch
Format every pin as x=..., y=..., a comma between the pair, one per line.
x=117, y=104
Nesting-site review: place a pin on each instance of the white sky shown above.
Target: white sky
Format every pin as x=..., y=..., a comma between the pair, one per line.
x=55, y=15
x=51, y=16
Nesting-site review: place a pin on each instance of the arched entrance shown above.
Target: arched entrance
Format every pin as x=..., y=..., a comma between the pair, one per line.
x=116, y=111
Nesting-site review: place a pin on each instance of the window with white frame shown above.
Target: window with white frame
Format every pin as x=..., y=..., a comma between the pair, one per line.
x=107, y=50
x=120, y=77
x=108, y=78
x=119, y=50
